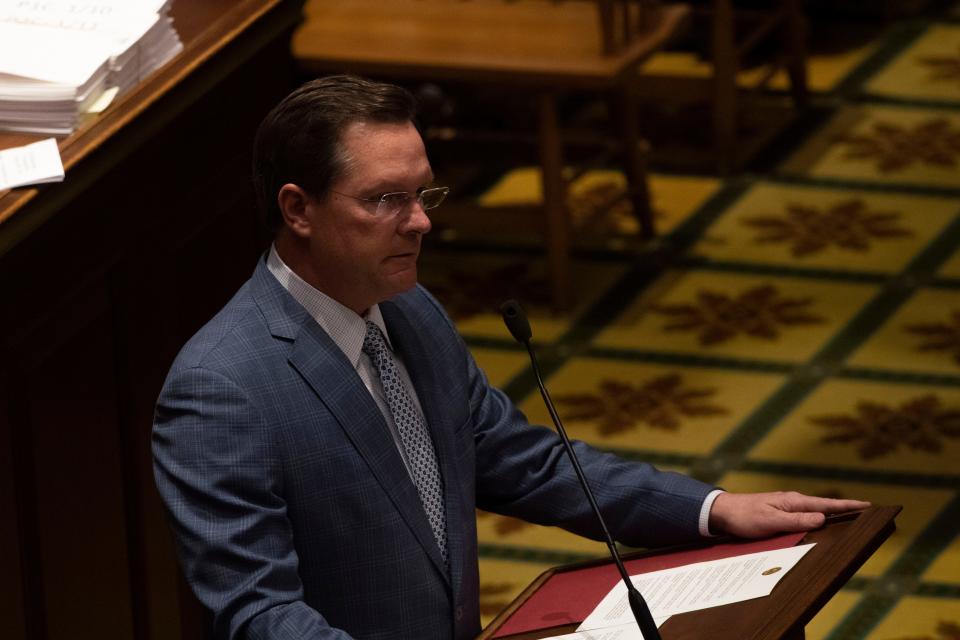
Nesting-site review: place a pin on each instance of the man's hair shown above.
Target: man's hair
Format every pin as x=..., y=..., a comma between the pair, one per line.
x=299, y=140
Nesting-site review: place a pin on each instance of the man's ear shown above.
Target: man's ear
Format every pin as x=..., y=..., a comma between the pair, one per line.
x=293, y=202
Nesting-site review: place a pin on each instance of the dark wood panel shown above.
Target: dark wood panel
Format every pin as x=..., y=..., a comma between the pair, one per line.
x=71, y=403
x=109, y=272
x=12, y=620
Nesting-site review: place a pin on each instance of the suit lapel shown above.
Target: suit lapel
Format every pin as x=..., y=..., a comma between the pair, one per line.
x=332, y=377
x=415, y=352
x=338, y=386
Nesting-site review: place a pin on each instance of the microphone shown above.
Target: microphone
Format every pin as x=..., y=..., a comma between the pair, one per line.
x=516, y=320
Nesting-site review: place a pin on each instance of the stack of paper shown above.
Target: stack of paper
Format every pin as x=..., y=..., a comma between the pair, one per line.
x=60, y=59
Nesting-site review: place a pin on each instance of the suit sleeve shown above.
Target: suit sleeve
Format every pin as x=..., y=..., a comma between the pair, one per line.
x=524, y=471
x=218, y=474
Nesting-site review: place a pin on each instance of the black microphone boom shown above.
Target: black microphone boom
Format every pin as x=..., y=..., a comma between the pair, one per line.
x=516, y=320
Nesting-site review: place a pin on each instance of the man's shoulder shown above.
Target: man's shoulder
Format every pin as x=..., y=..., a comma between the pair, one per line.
x=420, y=303
x=236, y=333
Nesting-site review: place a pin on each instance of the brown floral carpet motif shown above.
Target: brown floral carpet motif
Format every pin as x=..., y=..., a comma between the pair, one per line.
x=759, y=312
x=920, y=424
x=847, y=225
x=466, y=294
x=942, y=68
x=495, y=596
x=660, y=402
x=933, y=142
x=603, y=208
x=939, y=336
x=503, y=525
x=945, y=631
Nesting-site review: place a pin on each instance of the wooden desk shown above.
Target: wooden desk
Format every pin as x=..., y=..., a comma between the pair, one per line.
x=538, y=47
x=102, y=277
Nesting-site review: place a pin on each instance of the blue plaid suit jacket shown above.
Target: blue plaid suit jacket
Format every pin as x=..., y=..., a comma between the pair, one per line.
x=292, y=510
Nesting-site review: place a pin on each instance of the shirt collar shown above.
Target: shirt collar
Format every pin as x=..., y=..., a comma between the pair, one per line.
x=343, y=325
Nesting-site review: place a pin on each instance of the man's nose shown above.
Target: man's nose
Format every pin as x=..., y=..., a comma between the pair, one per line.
x=417, y=219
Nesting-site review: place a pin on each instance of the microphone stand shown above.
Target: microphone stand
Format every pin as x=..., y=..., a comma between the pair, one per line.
x=516, y=320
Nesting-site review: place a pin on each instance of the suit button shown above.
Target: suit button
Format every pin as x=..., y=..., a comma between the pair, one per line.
x=459, y=613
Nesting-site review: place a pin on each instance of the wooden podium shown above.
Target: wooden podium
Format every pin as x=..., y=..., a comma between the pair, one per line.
x=843, y=545
x=102, y=278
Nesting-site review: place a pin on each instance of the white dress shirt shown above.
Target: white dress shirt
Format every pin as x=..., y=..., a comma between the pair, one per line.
x=347, y=330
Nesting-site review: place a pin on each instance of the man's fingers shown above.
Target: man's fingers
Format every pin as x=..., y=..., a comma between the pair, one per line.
x=799, y=502
x=807, y=521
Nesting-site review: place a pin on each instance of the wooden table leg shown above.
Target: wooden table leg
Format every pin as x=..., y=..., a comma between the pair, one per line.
x=635, y=161
x=796, y=34
x=724, y=86
x=555, y=204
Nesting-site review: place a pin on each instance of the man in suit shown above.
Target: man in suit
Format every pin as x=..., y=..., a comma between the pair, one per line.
x=322, y=443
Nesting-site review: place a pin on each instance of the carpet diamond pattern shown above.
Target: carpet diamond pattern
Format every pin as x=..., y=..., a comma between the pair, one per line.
x=796, y=327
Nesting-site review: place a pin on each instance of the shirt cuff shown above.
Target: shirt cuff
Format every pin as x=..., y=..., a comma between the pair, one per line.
x=705, y=513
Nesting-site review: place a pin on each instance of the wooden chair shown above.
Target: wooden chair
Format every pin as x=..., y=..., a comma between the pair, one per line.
x=736, y=32
x=545, y=46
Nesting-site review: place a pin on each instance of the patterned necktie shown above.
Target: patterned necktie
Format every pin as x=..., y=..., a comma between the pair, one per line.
x=413, y=434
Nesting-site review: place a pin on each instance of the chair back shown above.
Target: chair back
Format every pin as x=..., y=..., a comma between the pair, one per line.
x=621, y=21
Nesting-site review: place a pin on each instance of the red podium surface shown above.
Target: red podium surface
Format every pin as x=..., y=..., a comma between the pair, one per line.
x=558, y=600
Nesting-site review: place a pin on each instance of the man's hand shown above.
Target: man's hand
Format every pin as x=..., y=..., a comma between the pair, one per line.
x=755, y=515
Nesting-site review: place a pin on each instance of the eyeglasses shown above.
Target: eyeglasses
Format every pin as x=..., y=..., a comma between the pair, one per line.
x=391, y=204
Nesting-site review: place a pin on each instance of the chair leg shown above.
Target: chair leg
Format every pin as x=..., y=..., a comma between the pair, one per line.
x=796, y=40
x=635, y=161
x=555, y=203
x=725, y=63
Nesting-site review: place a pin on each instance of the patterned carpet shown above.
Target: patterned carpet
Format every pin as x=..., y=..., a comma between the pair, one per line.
x=795, y=328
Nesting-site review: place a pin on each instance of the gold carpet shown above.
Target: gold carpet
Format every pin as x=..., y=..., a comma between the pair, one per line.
x=803, y=330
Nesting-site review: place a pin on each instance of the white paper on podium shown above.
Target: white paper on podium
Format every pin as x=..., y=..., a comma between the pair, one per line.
x=629, y=631
x=31, y=164
x=698, y=586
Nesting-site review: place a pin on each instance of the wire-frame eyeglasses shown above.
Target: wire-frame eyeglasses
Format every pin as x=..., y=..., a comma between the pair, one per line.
x=391, y=204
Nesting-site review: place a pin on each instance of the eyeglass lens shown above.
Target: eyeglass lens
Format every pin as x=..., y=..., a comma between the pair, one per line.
x=392, y=203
